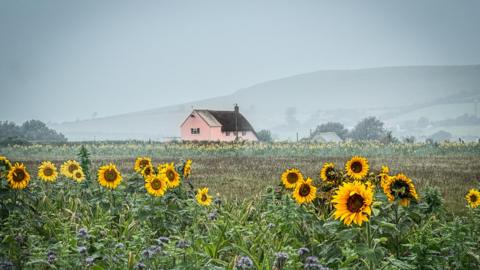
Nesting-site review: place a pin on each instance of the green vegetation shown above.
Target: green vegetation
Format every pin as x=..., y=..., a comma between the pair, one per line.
x=30, y=131
x=253, y=220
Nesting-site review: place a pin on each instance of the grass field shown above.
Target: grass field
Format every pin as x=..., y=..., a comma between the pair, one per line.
x=241, y=178
x=254, y=222
x=242, y=172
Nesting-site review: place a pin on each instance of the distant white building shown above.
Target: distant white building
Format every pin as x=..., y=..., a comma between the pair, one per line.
x=326, y=137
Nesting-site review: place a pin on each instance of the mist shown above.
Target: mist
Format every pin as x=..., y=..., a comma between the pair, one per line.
x=68, y=62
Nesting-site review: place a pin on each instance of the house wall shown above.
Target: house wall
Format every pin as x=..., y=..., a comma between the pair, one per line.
x=208, y=133
x=249, y=136
x=197, y=122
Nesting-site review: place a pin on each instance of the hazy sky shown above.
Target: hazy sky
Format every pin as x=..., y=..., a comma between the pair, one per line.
x=62, y=60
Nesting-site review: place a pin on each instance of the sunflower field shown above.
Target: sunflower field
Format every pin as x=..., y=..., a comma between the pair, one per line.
x=240, y=206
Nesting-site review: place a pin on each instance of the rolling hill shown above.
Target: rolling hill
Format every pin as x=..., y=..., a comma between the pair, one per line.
x=298, y=103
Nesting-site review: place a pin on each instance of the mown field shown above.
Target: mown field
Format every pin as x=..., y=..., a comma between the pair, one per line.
x=252, y=221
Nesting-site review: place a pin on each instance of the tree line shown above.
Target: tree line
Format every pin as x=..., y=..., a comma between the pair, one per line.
x=30, y=131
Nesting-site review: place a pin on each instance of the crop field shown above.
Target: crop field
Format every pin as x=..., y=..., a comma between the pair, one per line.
x=137, y=205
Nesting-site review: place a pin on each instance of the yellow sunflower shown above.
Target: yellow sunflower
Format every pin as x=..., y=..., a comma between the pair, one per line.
x=473, y=198
x=352, y=203
x=385, y=170
x=156, y=185
x=78, y=175
x=18, y=177
x=203, y=198
x=161, y=167
x=171, y=175
x=47, y=171
x=357, y=167
x=400, y=187
x=5, y=166
x=68, y=167
x=384, y=178
x=109, y=176
x=328, y=174
x=291, y=177
x=148, y=171
x=305, y=191
x=187, y=168
x=142, y=162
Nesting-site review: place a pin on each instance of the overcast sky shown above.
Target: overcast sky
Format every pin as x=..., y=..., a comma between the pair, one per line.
x=63, y=60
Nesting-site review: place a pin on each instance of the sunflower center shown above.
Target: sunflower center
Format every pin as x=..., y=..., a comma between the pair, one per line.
x=78, y=174
x=356, y=167
x=330, y=173
x=292, y=178
x=48, y=172
x=473, y=198
x=304, y=190
x=401, y=189
x=156, y=184
x=204, y=197
x=148, y=170
x=18, y=175
x=170, y=175
x=110, y=175
x=143, y=163
x=355, y=203
x=72, y=168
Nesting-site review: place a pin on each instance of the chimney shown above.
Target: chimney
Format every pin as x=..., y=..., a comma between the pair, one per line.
x=236, y=121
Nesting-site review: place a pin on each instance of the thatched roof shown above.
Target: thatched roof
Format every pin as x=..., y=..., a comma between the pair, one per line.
x=225, y=119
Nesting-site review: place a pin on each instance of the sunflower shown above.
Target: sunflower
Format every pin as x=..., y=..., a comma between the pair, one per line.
x=148, y=171
x=328, y=174
x=68, y=167
x=156, y=185
x=473, y=198
x=5, y=166
x=352, y=203
x=385, y=170
x=202, y=197
x=109, y=176
x=291, y=177
x=18, y=177
x=171, y=175
x=142, y=162
x=384, y=178
x=78, y=175
x=161, y=167
x=47, y=171
x=305, y=191
x=400, y=187
x=357, y=167
x=187, y=168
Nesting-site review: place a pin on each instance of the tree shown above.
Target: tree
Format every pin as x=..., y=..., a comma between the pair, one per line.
x=35, y=130
x=441, y=136
x=369, y=128
x=264, y=135
x=336, y=127
x=291, y=117
x=32, y=130
x=388, y=138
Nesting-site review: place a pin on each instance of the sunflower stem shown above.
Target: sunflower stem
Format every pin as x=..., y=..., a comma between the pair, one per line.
x=368, y=230
x=397, y=241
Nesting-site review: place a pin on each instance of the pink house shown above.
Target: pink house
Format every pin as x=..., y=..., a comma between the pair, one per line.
x=225, y=126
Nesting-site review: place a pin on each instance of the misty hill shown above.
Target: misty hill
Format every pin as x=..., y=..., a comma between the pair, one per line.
x=298, y=103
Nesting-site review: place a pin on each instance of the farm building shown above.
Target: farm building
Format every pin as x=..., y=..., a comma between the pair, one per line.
x=208, y=125
x=326, y=137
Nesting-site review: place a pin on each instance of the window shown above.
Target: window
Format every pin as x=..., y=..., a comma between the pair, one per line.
x=195, y=130
x=244, y=133
x=227, y=133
